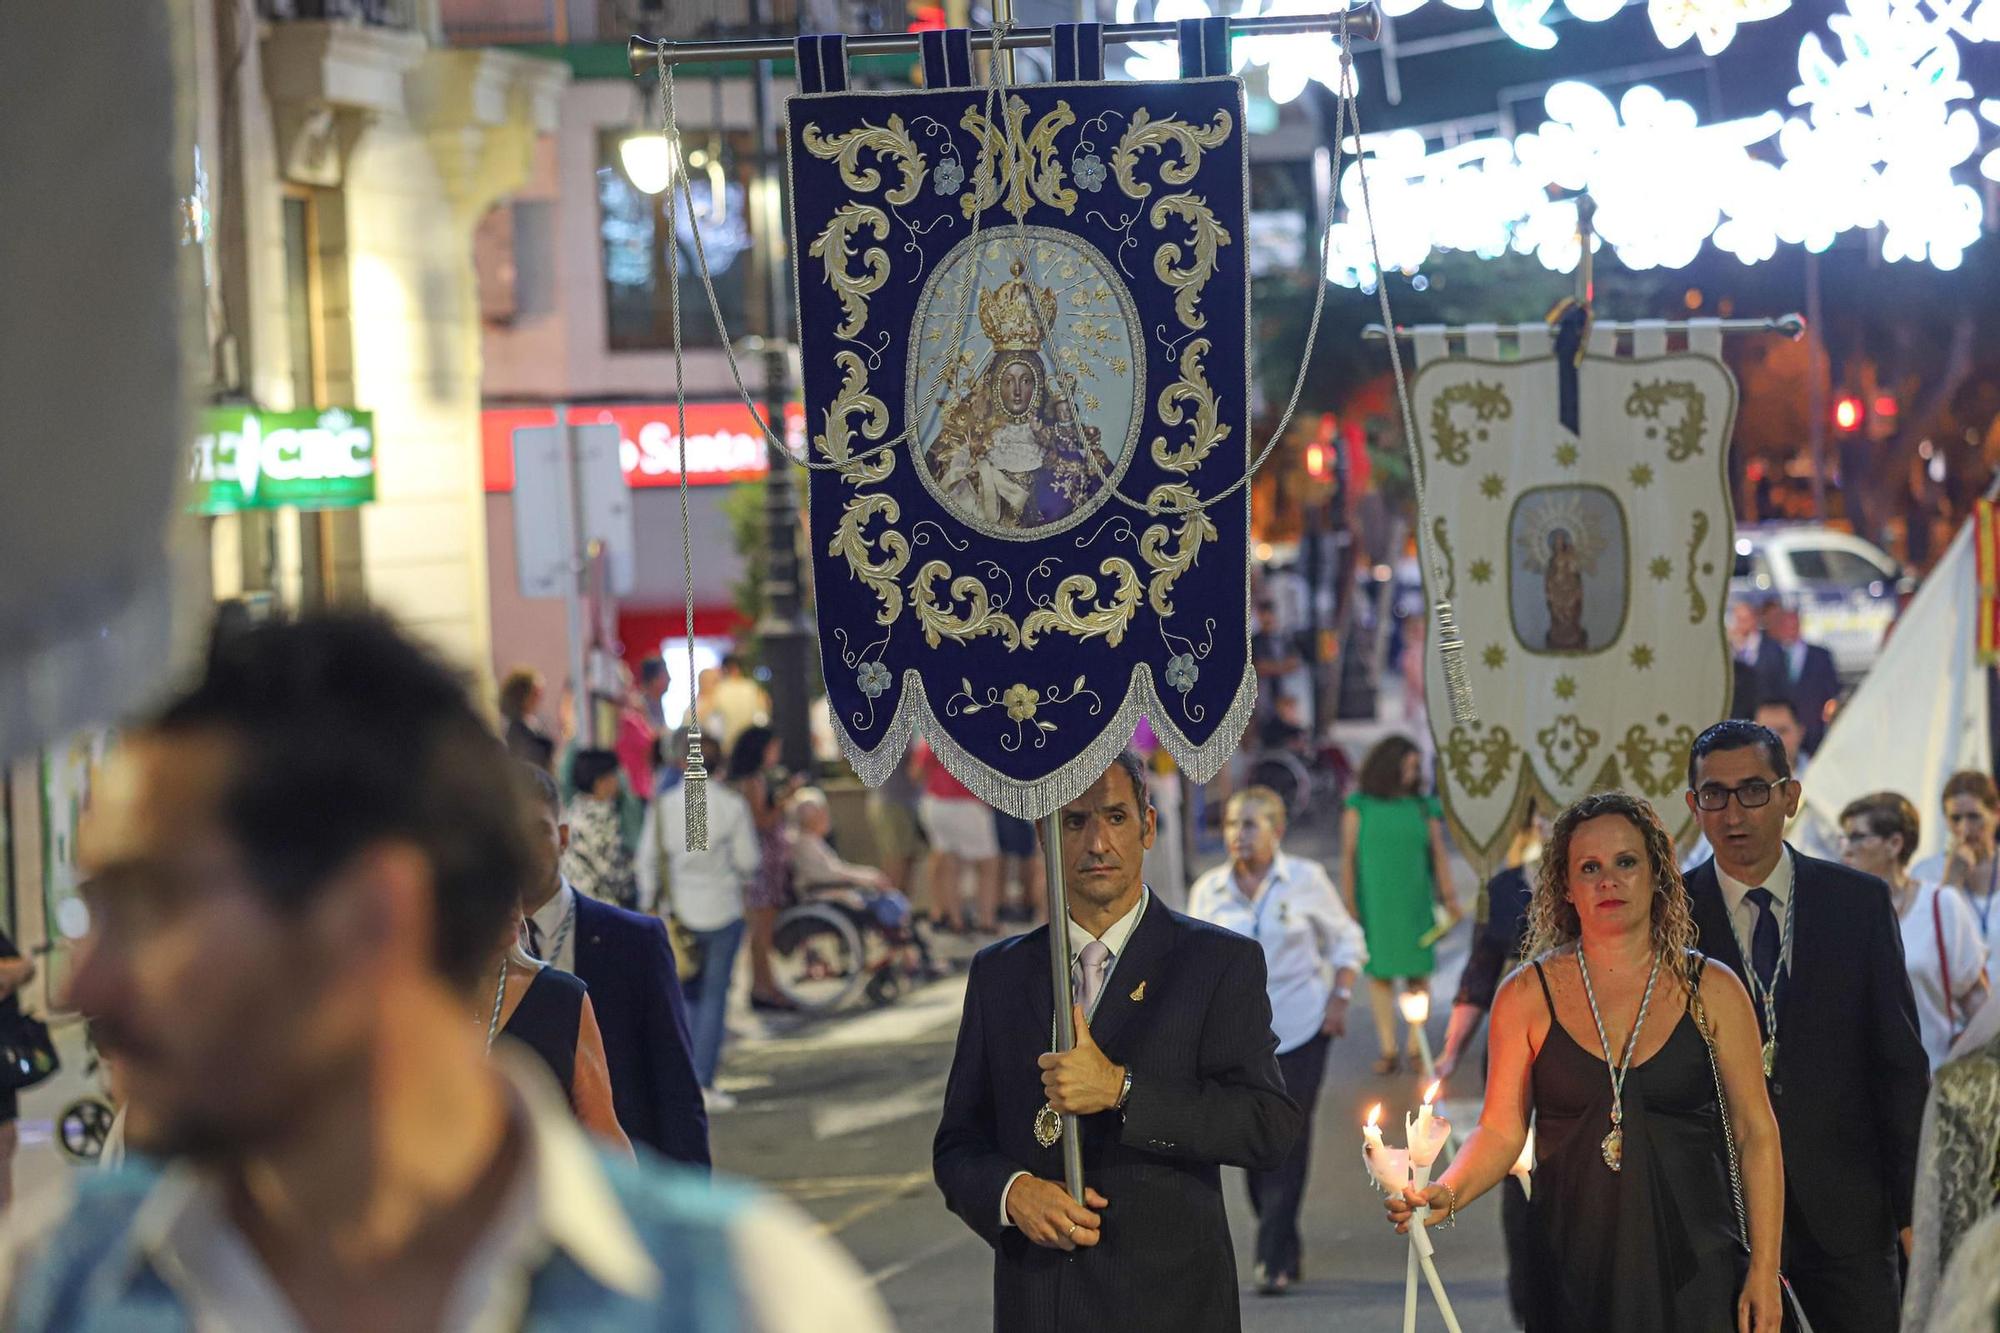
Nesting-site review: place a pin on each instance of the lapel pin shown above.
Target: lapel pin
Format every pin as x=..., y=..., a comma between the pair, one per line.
x=1139, y=991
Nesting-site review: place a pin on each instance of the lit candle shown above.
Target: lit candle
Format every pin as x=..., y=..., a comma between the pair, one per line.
x=1428, y=1133
x=1388, y=1167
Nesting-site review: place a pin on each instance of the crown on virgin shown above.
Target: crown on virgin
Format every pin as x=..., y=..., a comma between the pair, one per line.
x=1007, y=313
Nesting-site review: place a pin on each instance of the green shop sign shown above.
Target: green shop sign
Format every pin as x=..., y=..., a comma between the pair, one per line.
x=247, y=459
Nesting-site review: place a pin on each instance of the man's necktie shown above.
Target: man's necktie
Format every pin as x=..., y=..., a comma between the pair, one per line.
x=1093, y=966
x=535, y=939
x=1765, y=943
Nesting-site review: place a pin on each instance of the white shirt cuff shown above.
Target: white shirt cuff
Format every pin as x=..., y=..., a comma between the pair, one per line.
x=1005, y=1189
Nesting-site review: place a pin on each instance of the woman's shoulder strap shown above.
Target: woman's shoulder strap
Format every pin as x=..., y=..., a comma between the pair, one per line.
x=1543, y=977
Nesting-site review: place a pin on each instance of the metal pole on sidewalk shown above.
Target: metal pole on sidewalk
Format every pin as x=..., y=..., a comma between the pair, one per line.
x=1052, y=864
x=584, y=713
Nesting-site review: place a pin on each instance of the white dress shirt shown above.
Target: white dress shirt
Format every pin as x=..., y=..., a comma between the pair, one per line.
x=707, y=888
x=1305, y=931
x=1743, y=912
x=1937, y=913
x=1115, y=937
x=555, y=923
x=789, y=1277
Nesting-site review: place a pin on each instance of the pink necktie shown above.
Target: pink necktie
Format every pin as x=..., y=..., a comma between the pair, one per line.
x=1093, y=965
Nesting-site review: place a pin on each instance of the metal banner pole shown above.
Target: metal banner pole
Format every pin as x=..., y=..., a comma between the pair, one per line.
x=1364, y=24
x=1072, y=1143
x=1789, y=326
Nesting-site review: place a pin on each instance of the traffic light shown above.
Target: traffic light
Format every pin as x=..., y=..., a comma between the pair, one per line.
x=1847, y=412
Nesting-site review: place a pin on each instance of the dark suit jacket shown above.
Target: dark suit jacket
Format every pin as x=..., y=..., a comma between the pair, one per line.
x=1852, y=1075
x=1205, y=1091
x=625, y=960
x=1818, y=685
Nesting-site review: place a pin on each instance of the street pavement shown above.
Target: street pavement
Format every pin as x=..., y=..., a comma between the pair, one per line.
x=839, y=1118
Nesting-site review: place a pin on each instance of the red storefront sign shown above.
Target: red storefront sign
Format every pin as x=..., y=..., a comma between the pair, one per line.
x=724, y=443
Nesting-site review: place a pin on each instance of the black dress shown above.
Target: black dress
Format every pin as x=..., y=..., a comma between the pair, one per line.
x=546, y=1021
x=1652, y=1248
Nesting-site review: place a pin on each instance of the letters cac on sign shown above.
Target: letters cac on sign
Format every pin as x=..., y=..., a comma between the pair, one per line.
x=246, y=459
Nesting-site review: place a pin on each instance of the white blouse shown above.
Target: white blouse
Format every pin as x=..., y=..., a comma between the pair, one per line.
x=1937, y=912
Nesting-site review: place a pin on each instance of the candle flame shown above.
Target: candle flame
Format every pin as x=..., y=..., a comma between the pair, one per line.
x=1375, y=1115
x=1430, y=1093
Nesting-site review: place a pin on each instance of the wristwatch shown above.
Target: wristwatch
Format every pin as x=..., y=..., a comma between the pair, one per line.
x=1343, y=992
x=1124, y=1092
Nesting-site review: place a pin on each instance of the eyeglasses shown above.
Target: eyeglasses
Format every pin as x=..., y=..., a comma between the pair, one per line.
x=1751, y=795
x=1857, y=839
x=1973, y=816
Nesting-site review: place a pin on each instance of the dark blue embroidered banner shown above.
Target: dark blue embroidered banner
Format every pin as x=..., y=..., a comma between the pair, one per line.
x=1033, y=568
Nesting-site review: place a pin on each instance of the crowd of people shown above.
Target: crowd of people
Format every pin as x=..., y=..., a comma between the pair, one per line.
x=413, y=1031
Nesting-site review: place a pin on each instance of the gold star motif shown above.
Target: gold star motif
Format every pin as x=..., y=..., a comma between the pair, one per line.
x=1481, y=571
x=1661, y=568
x=1495, y=657
x=1565, y=687
x=1566, y=454
x=1642, y=656
x=1642, y=475
x=1493, y=485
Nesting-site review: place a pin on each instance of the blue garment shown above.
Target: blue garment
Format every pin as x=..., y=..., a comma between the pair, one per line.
x=708, y=995
x=90, y=1279
x=625, y=960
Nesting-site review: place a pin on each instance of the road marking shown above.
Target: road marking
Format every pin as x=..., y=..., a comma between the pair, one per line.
x=907, y=1186
x=919, y=1015
x=832, y=1121
x=827, y=1187
x=902, y=1266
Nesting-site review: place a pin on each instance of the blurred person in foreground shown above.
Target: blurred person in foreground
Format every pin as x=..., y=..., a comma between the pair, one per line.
x=1174, y=1074
x=635, y=992
x=1619, y=1038
x=1820, y=950
x=1942, y=950
x=1312, y=953
x=296, y=872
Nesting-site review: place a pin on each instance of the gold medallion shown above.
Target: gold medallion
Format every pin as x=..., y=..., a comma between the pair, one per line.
x=1048, y=1126
x=1614, y=1149
x=1771, y=1058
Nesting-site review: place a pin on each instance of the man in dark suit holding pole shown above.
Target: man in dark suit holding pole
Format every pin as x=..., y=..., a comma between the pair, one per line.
x=1847, y=1072
x=1174, y=1073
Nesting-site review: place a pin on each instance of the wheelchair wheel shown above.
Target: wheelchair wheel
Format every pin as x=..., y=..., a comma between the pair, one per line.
x=1281, y=771
x=82, y=1129
x=818, y=956
x=884, y=987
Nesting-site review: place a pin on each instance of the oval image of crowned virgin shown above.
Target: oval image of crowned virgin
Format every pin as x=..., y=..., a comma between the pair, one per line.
x=1024, y=384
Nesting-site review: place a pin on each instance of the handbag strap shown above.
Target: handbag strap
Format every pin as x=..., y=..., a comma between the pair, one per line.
x=1700, y=1013
x=1795, y=1321
x=1944, y=959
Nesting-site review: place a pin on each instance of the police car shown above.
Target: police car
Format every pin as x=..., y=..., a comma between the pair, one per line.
x=1847, y=591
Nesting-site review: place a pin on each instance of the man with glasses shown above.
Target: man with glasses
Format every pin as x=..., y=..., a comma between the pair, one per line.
x=1819, y=947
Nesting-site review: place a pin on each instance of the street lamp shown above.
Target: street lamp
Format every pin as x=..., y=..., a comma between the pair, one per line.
x=648, y=160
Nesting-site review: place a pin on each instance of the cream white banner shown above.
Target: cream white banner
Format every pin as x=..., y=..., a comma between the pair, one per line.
x=1587, y=572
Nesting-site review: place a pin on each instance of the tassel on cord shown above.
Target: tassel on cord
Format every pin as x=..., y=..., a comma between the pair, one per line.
x=694, y=791
x=1451, y=653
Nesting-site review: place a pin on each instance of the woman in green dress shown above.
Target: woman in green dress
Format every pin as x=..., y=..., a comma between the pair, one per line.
x=1393, y=862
